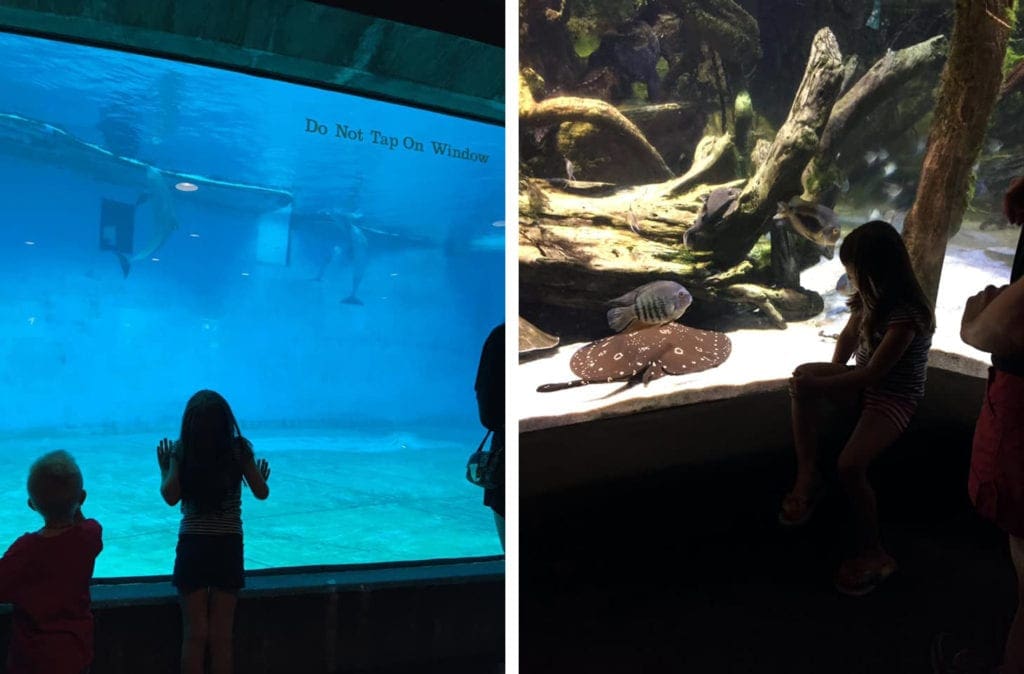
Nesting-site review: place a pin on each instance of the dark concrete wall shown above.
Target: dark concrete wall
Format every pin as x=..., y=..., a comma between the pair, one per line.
x=398, y=628
x=559, y=459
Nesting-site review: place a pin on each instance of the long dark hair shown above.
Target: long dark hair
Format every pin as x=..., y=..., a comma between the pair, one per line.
x=885, y=279
x=210, y=466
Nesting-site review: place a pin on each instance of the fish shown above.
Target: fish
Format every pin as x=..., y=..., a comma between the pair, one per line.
x=844, y=287
x=631, y=219
x=540, y=132
x=532, y=338
x=348, y=237
x=889, y=168
x=874, y=21
x=359, y=248
x=844, y=187
x=653, y=303
x=570, y=170
x=645, y=355
x=818, y=224
x=993, y=145
x=896, y=217
x=920, y=146
x=883, y=154
x=165, y=222
x=716, y=205
x=892, y=190
x=870, y=157
x=875, y=214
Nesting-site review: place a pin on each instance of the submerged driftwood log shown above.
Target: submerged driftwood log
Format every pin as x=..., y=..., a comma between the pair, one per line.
x=970, y=87
x=883, y=80
x=583, y=243
x=649, y=163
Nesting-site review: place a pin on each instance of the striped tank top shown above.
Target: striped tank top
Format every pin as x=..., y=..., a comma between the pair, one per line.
x=907, y=377
x=226, y=518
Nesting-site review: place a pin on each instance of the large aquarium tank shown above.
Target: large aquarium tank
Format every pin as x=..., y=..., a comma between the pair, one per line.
x=698, y=162
x=329, y=263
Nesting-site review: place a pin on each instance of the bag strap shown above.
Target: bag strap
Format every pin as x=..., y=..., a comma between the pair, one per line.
x=484, y=441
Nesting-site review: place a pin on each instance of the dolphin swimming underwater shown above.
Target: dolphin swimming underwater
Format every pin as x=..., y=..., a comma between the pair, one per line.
x=353, y=238
x=359, y=248
x=164, y=219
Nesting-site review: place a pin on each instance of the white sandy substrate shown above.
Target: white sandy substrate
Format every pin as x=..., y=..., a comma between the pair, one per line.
x=763, y=360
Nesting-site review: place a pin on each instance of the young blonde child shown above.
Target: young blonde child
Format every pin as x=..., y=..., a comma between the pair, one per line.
x=890, y=330
x=204, y=470
x=46, y=575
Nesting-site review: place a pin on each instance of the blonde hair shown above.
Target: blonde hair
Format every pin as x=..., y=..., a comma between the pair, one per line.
x=55, y=485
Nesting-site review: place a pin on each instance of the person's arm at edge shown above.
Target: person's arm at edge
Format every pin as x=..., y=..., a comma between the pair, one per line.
x=999, y=327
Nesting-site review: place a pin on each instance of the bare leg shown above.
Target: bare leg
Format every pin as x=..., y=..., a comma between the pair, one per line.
x=873, y=433
x=1014, y=653
x=805, y=413
x=194, y=631
x=222, y=621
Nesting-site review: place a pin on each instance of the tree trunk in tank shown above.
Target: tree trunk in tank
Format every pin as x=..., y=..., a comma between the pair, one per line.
x=968, y=93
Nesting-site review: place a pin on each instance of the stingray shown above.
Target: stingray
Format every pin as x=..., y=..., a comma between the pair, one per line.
x=646, y=355
x=532, y=338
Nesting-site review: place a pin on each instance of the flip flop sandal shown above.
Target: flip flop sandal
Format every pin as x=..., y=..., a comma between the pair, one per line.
x=796, y=511
x=864, y=577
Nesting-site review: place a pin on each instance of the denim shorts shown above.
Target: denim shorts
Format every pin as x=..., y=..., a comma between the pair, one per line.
x=205, y=560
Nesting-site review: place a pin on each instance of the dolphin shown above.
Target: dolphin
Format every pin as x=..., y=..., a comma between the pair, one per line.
x=163, y=217
x=353, y=238
x=359, y=248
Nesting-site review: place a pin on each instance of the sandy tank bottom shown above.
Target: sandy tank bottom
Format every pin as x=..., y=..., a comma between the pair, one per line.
x=336, y=497
x=762, y=359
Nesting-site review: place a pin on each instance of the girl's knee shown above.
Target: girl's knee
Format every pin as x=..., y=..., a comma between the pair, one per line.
x=196, y=634
x=804, y=368
x=220, y=641
x=851, y=470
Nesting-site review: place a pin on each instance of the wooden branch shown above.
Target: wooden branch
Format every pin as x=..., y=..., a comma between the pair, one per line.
x=778, y=178
x=583, y=244
x=969, y=90
x=593, y=111
x=1014, y=80
x=881, y=82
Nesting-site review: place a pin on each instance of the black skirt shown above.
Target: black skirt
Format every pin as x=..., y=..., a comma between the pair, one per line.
x=204, y=560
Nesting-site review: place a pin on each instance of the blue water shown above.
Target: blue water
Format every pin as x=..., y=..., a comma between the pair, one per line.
x=366, y=412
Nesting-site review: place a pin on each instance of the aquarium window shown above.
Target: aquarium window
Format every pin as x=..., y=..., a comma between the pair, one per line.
x=327, y=262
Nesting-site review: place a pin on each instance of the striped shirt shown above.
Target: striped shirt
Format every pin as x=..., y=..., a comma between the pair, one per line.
x=907, y=377
x=226, y=518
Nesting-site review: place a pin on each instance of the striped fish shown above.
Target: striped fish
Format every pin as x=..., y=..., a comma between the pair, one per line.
x=654, y=303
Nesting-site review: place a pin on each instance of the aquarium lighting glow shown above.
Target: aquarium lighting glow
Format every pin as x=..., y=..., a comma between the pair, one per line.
x=186, y=187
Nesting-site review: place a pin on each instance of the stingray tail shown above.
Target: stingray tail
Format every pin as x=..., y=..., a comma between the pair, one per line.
x=619, y=318
x=561, y=386
x=126, y=264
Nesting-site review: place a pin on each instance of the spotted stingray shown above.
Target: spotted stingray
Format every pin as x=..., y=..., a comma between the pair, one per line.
x=645, y=355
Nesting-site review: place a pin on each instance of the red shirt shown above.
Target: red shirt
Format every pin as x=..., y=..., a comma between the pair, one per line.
x=47, y=580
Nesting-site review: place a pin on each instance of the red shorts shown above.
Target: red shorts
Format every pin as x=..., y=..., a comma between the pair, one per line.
x=996, y=482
